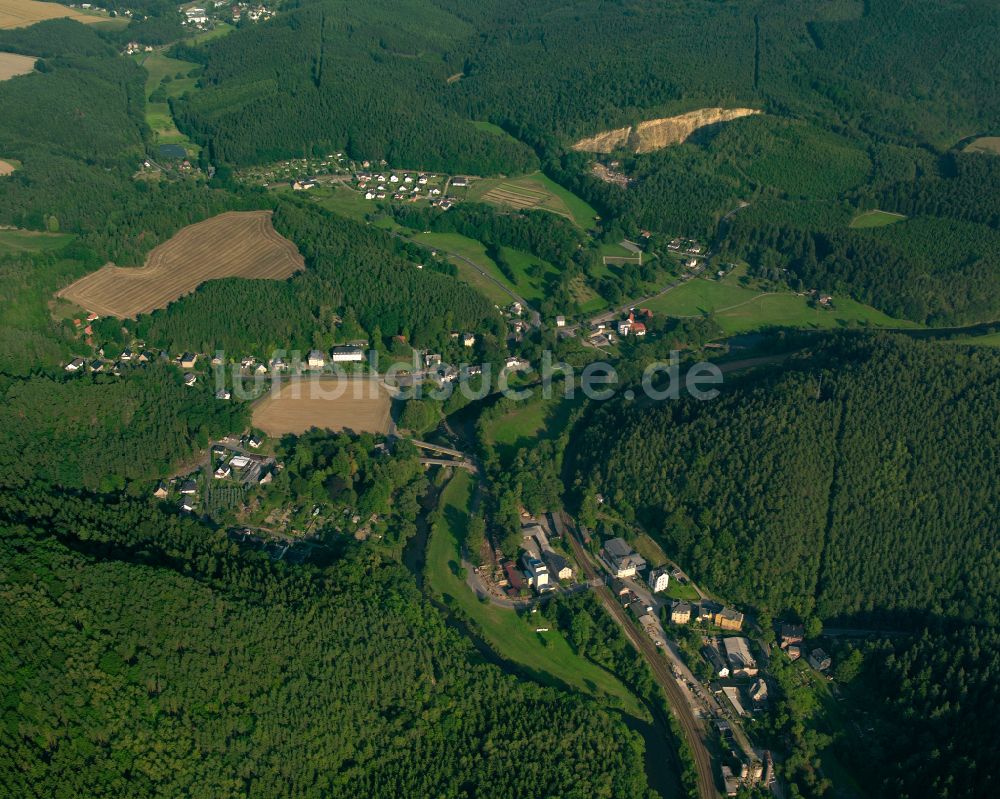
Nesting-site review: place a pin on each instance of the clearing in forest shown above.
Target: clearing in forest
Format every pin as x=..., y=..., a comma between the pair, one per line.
x=361, y=405
x=876, y=218
x=6, y=167
x=12, y=64
x=234, y=244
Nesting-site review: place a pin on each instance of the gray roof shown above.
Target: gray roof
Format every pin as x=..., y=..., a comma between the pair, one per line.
x=617, y=548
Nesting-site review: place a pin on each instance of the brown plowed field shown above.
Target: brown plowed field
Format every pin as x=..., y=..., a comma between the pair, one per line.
x=235, y=244
x=301, y=404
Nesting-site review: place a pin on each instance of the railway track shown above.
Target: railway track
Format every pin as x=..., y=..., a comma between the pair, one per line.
x=662, y=674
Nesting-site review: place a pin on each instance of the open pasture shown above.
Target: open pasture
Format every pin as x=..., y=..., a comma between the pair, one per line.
x=300, y=404
x=234, y=244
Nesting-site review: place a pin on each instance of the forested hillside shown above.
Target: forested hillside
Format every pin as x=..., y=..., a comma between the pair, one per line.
x=853, y=486
x=125, y=677
x=352, y=271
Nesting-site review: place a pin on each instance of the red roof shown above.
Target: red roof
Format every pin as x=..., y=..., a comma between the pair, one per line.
x=514, y=577
x=638, y=327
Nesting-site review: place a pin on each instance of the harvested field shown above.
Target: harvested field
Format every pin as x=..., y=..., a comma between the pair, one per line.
x=20, y=13
x=12, y=64
x=516, y=196
x=985, y=144
x=235, y=244
x=363, y=405
x=6, y=167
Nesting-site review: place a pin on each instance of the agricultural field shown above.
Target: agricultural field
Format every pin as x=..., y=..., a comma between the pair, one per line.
x=742, y=308
x=548, y=655
x=359, y=405
x=234, y=244
x=18, y=241
x=984, y=144
x=7, y=167
x=876, y=218
x=12, y=65
x=21, y=13
x=535, y=191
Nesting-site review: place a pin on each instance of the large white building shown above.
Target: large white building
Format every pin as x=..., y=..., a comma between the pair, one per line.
x=347, y=354
x=659, y=579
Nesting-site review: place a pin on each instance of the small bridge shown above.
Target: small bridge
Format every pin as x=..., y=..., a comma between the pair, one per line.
x=469, y=466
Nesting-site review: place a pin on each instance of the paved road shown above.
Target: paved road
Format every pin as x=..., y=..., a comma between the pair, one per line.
x=658, y=664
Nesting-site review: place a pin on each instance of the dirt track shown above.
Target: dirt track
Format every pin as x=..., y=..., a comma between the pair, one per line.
x=235, y=244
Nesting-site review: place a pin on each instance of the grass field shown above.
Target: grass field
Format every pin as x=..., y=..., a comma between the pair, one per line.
x=534, y=191
x=989, y=340
x=984, y=144
x=235, y=244
x=529, y=422
x=15, y=241
x=12, y=65
x=742, y=308
x=548, y=656
x=329, y=403
x=475, y=252
x=20, y=13
x=876, y=218
x=342, y=200
x=159, y=66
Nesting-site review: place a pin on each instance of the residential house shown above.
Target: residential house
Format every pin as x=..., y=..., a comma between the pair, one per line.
x=223, y=394
x=659, y=579
x=459, y=181
x=620, y=559
x=560, y=321
x=189, y=487
x=316, y=360
x=186, y=506
x=758, y=691
x=729, y=619
x=468, y=339
x=255, y=442
x=240, y=462
x=705, y=611
x=161, y=491
x=741, y=662
x=432, y=359
x=793, y=652
x=223, y=471
x=516, y=308
x=791, y=634
x=819, y=660
x=75, y=365
x=680, y=612
x=190, y=379
x=188, y=360
x=97, y=366
x=558, y=565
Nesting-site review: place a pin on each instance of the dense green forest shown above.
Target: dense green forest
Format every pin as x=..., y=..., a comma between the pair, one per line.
x=99, y=432
x=123, y=676
x=852, y=485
